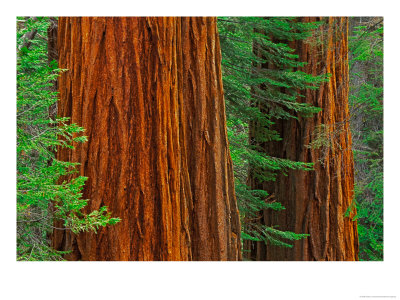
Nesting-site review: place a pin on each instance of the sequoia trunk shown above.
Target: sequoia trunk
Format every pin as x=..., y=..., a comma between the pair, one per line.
x=319, y=202
x=149, y=93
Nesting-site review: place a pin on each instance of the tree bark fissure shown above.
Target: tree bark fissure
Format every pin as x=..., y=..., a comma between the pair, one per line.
x=149, y=93
x=316, y=201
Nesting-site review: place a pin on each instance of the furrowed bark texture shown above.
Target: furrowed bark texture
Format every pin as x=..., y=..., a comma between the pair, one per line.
x=149, y=93
x=316, y=201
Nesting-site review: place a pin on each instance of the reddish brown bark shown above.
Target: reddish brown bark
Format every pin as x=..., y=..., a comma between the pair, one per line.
x=316, y=201
x=149, y=93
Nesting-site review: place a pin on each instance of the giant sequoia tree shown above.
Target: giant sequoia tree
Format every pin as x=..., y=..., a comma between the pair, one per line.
x=318, y=202
x=148, y=91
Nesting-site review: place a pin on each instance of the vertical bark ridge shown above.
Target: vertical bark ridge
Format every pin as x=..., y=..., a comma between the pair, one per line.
x=316, y=201
x=149, y=93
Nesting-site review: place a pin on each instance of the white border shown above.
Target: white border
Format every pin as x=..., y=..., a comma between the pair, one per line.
x=244, y=280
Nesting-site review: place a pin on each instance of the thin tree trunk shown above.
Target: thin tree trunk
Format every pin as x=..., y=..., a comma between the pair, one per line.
x=316, y=201
x=149, y=93
x=52, y=54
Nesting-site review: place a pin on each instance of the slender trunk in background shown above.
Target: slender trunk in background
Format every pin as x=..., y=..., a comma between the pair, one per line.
x=149, y=93
x=52, y=55
x=316, y=201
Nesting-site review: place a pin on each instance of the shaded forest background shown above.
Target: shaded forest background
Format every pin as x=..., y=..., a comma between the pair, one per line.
x=266, y=74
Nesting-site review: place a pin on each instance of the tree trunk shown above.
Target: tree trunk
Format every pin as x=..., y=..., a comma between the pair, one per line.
x=316, y=201
x=149, y=93
x=52, y=54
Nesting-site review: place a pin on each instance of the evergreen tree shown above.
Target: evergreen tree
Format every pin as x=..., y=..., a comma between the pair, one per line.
x=316, y=201
x=260, y=75
x=366, y=108
x=276, y=78
x=149, y=93
x=42, y=194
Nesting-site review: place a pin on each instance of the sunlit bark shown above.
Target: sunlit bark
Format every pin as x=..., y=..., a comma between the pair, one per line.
x=149, y=93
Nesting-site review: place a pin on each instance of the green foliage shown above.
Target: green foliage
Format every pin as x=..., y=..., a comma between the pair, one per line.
x=41, y=195
x=261, y=85
x=366, y=106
